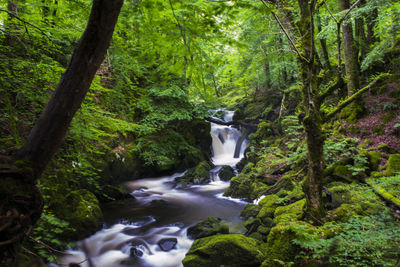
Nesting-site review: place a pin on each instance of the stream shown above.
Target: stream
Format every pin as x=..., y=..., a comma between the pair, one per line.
x=135, y=228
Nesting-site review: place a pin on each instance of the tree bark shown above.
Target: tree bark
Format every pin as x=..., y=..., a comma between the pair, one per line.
x=324, y=47
x=51, y=128
x=20, y=200
x=350, y=53
x=312, y=186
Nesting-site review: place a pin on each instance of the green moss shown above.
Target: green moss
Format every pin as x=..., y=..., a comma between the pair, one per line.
x=226, y=173
x=358, y=198
x=353, y=112
x=210, y=226
x=280, y=245
x=250, y=211
x=344, y=212
x=197, y=175
x=227, y=250
x=290, y=212
x=374, y=159
x=240, y=187
x=81, y=209
x=393, y=165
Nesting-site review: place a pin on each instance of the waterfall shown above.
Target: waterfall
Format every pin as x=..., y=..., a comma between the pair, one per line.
x=224, y=141
x=159, y=212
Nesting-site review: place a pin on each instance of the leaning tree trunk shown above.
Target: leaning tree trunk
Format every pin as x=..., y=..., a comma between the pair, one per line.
x=20, y=200
x=308, y=68
x=350, y=53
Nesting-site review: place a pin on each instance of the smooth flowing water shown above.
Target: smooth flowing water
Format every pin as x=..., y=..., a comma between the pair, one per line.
x=134, y=229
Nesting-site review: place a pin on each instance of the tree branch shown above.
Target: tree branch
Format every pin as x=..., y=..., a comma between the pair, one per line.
x=25, y=22
x=285, y=32
x=330, y=90
x=348, y=11
x=349, y=100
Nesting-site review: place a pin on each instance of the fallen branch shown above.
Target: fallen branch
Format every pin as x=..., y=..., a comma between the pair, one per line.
x=349, y=100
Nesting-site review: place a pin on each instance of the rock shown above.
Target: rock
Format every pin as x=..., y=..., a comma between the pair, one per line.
x=280, y=246
x=81, y=209
x=393, y=165
x=268, y=206
x=209, y=227
x=250, y=211
x=226, y=173
x=240, y=187
x=224, y=250
x=167, y=244
x=112, y=193
x=374, y=159
x=197, y=175
x=135, y=252
x=290, y=212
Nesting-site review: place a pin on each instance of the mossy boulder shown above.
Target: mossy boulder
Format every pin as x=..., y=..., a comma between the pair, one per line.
x=197, y=175
x=113, y=192
x=240, y=187
x=268, y=206
x=353, y=112
x=226, y=173
x=290, y=212
x=264, y=130
x=393, y=164
x=250, y=211
x=374, y=159
x=210, y=226
x=225, y=250
x=81, y=209
x=359, y=198
x=280, y=246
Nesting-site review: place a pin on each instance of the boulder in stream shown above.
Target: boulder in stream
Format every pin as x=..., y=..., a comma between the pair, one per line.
x=209, y=227
x=226, y=173
x=225, y=250
x=167, y=244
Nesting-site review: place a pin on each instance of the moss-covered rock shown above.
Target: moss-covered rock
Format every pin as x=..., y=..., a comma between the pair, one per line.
x=81, y=209
x=208, y=227
x=268, y=206
x=353, y=112
x=374, y=159
x=359, y=198
x=113, y=192
x=393, y=165
x=250, y=211
x=240, y=187
x=290, y=212
x=224, y=250
x=280, y=245
x=226, y=173
x=197, y=175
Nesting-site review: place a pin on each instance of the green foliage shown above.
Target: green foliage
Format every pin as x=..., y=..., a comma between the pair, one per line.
x=46, y=236
x=362, y=241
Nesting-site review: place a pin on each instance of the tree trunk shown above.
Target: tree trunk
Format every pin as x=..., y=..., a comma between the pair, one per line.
x=20, y=200
x=361, y=38
x=324, y=47
x=312, y=122
x=350, y=53
x=52, y=126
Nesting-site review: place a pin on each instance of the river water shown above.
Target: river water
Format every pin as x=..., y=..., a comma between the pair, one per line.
x=134, y=228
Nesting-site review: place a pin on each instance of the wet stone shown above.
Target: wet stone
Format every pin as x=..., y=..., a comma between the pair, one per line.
x=135, y=252
x=167, y=244
x=131, y=231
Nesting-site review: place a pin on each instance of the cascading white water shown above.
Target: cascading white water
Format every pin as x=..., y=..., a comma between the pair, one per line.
x=161, y=212
x=224, y=140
